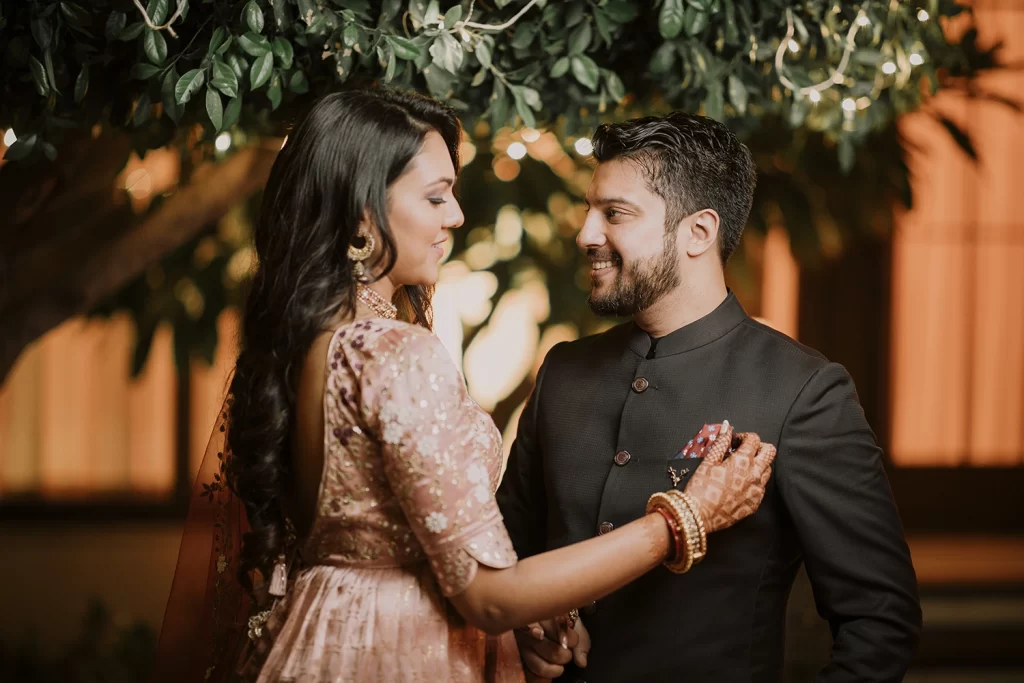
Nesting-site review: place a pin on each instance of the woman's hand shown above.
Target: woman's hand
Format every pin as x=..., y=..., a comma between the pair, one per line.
x=729, y=485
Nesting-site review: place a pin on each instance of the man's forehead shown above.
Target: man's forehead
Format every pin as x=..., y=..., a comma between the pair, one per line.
x=618, y=178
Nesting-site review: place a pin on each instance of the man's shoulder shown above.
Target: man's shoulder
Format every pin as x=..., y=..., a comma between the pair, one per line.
x=776, y=347
x=614, y=338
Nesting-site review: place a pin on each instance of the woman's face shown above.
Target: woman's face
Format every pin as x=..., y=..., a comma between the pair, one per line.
x=421, y=210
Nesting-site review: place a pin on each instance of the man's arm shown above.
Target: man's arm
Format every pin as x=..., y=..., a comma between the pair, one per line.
x=831, y=479
x=521, y=495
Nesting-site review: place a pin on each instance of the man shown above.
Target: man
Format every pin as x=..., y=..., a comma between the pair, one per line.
x=610, y=413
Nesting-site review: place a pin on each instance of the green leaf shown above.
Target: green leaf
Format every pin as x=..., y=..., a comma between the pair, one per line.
x=621, y=11
x=579, y=41
x=446, y=52
x=220, y=34
x=171, y=106
x=253, y=17
x=616, y=89
x=155, y=46
x=132, y=31
x=439, y=81
x=157, y=11
x=261, y=69
x=403, y=47
x=298, y=83
x=524, y=35
x=452, y=17
x=283, y=51
x=224, y=79
x=432, y=15
x=48, y=65
x=479, y=78
x=253, y=44
x=274, y=91
x=142, y=71
x=214, y=108
x=714, y=102
x=75, y=15
x=523, y=108
x=115, y=25
x=82, y=83
x=696, y=21
x=239, y=66
x=483, y=54
x=738, y=94
x=604, y=25
x=232, y=112
x=188, y=85
x=560, y=67
x=392, y=62
x=670, y=19
x=847, y=155
x=584, y=70
x=664, y=58
x=42, y=32
x=350, y=36
x=49, y=151
x=39, y=77
x=22, y=148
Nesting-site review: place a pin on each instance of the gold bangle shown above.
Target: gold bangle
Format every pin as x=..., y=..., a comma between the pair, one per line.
x=659, y=502
x=699, y=519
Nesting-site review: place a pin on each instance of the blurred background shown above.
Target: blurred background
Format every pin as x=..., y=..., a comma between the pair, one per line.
x=891, y=244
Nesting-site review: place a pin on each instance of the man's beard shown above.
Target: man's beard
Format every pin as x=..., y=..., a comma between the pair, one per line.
x=645, y=282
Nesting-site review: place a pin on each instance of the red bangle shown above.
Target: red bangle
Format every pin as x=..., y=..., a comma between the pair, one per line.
x=676, y=537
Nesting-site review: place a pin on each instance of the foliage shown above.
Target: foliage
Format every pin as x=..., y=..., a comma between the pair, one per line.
x=570, y=62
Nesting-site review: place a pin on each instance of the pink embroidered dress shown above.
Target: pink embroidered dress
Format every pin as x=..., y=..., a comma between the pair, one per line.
x=405, y=515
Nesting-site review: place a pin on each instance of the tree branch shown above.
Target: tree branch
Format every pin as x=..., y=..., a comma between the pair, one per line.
x=214, y=189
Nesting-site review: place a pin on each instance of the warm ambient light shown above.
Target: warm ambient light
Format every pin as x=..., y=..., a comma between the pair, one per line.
x=223, y=142
x=584, y=147
x=516, y=150
x=9, y=137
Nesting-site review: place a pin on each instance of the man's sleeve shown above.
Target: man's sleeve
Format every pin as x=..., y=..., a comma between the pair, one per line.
x=830, y=475
x=521, y=496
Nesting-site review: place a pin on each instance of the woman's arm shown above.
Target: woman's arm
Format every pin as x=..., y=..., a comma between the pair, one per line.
x=555, y=582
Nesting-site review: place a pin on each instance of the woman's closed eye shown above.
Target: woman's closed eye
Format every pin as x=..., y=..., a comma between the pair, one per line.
x=437, y=201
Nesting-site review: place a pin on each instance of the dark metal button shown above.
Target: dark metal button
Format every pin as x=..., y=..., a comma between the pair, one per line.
x=605, y=527
x=622, y=458
x=640, y=385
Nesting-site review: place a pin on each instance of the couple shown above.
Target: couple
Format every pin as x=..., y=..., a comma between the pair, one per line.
x=367, y=474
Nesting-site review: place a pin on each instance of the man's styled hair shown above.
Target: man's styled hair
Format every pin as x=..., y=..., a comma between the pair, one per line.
x=692, y=163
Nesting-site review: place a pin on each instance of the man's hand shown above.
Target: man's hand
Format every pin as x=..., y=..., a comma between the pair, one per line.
x=546, y=648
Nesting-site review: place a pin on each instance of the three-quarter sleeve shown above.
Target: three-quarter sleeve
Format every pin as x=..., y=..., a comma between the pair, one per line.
x=435, y=442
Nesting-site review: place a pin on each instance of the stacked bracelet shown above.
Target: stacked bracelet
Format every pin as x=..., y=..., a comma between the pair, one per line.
x=687, y=526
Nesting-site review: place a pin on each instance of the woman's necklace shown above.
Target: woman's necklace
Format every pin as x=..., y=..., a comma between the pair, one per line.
x=377, y=303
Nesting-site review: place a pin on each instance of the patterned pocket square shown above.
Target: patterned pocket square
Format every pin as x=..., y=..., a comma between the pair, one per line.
x=697, y=447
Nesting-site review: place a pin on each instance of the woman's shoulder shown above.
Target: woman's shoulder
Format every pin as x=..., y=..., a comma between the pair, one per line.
x=398, y=344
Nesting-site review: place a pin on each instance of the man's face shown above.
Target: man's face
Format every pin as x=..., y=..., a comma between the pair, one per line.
x=634, y=260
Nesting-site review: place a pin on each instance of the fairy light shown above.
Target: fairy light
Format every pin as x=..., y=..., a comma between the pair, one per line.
x=584, y=147
x=837, y=76
x=516, y=150
x=849, y=104
x=10, y=137
x=916, y=59
x=922, y=14
x=793, y=46
x=530, y=135
x=889, y=68
x=223, y=142
x=814, y=96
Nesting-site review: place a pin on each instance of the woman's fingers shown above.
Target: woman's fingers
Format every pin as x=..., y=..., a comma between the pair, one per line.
x=720, y=446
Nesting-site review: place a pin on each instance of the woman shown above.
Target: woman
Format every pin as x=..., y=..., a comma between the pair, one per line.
x=362, y=462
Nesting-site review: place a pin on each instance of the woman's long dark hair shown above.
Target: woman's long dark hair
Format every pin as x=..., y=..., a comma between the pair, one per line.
x=338, y=163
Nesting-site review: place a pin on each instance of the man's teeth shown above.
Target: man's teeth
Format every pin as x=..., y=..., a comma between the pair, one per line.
x=601, y=265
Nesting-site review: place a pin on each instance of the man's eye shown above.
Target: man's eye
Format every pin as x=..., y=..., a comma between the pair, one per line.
x=612, y=213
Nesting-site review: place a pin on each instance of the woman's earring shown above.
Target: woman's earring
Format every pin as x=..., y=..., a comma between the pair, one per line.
x=359, y=254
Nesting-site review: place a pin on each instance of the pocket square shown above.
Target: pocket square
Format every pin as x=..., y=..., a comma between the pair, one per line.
x=697, y=447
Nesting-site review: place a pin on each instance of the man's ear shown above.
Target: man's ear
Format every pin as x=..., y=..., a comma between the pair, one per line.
x=703, y=231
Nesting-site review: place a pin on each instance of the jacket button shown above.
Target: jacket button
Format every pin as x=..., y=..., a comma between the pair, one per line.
x=640, y=385
x=605, y=527
x=622, y=458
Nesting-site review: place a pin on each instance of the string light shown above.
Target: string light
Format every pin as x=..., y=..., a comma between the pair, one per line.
x=922, y=14
x=516, y=150
x=849, y=104
x=916, y=59
x=837, y=75
x=584, y=147
x=814, y=96
x=223, y=142
x=889, y=68
x=794, y=46
x=10, y=137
